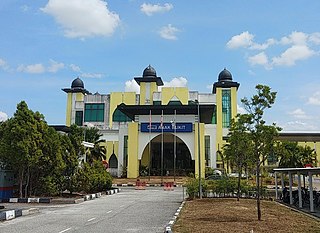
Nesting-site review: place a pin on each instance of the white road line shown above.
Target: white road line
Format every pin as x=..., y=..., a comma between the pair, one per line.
x=89, y=220
x=65, y=230
x=109, y=211
x=121, y=206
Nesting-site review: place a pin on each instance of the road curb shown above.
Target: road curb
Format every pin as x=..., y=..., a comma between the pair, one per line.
x=11, y=214
x=14, y=213
x=113, y=191
x=147, y=185
x=27, y=200
x=168, y=228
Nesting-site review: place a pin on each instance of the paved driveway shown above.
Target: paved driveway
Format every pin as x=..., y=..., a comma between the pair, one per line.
x=128, y=211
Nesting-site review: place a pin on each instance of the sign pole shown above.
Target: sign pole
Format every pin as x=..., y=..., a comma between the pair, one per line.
x=161, y=146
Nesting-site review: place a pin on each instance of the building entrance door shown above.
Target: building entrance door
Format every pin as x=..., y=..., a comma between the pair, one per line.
x=181, y=164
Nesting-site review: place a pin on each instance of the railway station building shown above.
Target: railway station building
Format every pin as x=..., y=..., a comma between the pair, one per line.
x=166, y=131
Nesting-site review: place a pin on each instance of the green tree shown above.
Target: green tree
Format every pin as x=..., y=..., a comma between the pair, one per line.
x=239, y=148
x=262, y=135
x=70, y=158
x=293, y=155
x=20, y=144
x=92, y=134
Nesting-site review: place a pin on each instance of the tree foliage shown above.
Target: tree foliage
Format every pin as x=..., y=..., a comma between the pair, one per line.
x=293, y=155
x=45, y=161
x=262, y=135
x=239, y=148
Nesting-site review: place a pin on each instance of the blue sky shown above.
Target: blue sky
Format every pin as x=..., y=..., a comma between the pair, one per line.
x=44, y=45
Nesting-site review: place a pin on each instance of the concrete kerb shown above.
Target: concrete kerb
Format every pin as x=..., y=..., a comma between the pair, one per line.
x=11, y=214
x=147, y=185
x=168, y=228
x=113, y=191
x=14, y=213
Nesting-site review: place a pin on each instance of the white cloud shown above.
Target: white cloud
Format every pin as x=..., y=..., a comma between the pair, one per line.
x=132, y=86
x=259, y=59
x=314, y=99
x=299, y=114
x=3, y=116
x=150, y=9
x=169, y=32
x=91, y=75
x=55, y=66
x=263, y=46
x=297, y=126
x=295, y=38
x=315, y=38
x=32, y=69
x=245, y=39
x=297, y=47
x=83, y=18
x=75, y=68
x=176, y=82
x=293, y=54
x=3, y=64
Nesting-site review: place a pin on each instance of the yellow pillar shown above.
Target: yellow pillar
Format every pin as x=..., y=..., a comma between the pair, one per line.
x=234, y=110
x=133, y=163
x=196, y=149
x=69, y=109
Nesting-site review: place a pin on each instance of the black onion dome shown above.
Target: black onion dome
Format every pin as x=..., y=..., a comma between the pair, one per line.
x=149, y=72
x=77, y=83
x=225, y=75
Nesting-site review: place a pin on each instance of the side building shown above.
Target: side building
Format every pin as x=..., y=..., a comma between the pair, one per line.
x=167, y=131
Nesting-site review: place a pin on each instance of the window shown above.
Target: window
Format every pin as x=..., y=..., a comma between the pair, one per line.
x=125, y=151
x=94, y=112
x=207, y=149
x=226, y=108
x=214, y=116
x=79, y=118
x=119, y=116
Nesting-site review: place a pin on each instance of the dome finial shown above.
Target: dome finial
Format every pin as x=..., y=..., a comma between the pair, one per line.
x=149, y=72
x=225, y=75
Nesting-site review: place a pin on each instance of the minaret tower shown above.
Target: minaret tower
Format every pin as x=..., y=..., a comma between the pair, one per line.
x=149, y=83
x=75, y=94
x=226, y=102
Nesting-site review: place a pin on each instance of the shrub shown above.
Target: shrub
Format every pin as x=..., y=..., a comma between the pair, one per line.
x=192, y=185
x=47, y=187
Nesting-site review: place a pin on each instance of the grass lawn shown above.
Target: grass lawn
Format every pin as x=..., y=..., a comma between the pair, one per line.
x=229, y=215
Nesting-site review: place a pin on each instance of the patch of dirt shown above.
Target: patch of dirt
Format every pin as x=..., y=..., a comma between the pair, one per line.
x=228, y=215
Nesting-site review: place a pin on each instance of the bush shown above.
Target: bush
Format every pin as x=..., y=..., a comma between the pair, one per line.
x=47, y=187
x=192, y=185
x=91, y=179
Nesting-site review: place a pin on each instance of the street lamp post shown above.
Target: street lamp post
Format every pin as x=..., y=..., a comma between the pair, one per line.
x=199, y=156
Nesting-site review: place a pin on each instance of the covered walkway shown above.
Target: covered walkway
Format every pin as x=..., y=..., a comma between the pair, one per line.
x=304, y=197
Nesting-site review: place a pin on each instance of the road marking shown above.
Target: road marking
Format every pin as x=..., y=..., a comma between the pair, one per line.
x=109, y=211
x=65, y=230
x=91, y=219
x=121, y=206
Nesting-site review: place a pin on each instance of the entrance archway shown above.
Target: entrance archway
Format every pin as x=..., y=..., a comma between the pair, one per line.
x=113, y=165
x=184, y=165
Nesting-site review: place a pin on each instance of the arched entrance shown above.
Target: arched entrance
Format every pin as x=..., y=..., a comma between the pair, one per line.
x=184, y=164
x=113, y=165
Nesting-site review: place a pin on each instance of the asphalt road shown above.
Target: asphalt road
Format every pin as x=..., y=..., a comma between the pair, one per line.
x=130, y=210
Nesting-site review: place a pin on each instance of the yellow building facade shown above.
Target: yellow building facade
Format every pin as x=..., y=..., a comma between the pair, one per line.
x=159, y=131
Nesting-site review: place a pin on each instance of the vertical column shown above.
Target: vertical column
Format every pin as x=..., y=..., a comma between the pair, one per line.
x=133, y=142
x=311, y=192
x=276, y=184
x=299, y=190
x=290, y=188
